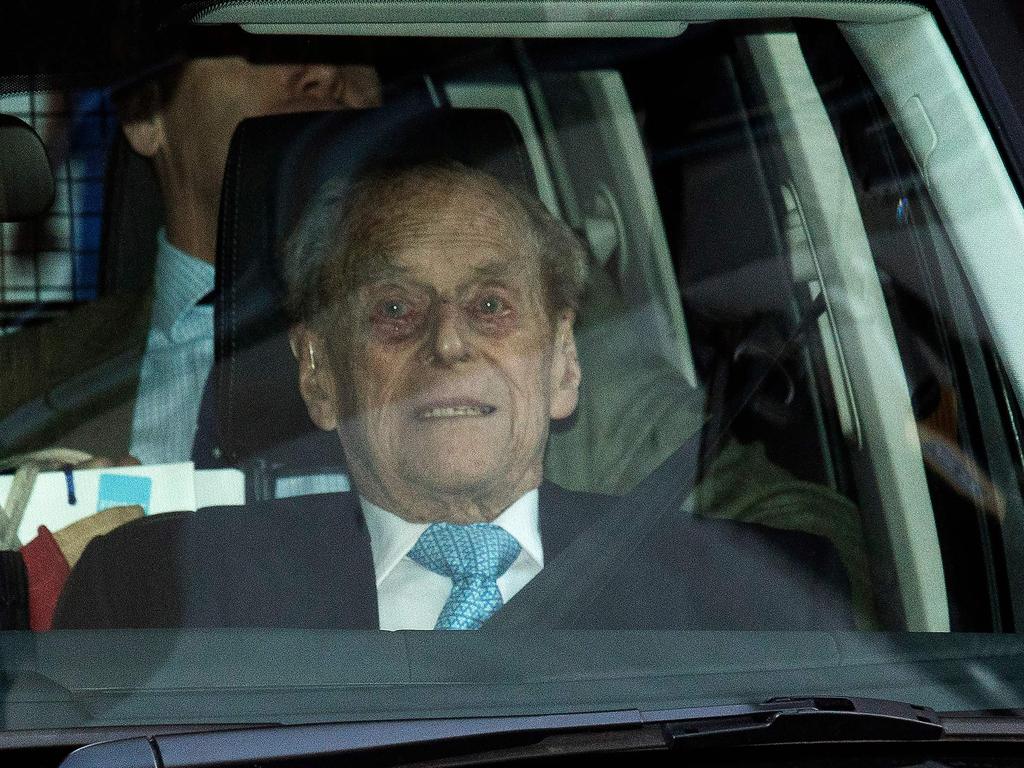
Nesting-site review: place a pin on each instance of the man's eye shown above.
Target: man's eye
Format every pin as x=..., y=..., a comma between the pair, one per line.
x=393, y=310
x=492, y=305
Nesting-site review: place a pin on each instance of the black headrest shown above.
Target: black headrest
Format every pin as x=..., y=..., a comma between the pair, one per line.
x=132, y=215
x=26, y=179
x=274, y=167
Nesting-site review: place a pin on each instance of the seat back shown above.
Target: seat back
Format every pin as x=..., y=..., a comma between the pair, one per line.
x=133, y=212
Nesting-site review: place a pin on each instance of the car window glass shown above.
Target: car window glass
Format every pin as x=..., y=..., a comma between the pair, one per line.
x=953, y=371
x=50, y=265
x=772, y=404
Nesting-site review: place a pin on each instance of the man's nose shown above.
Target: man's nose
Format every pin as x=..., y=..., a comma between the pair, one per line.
x=448, y=343
x=316, y=81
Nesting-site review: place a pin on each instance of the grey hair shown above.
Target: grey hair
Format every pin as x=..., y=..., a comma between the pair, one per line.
x=321, y=260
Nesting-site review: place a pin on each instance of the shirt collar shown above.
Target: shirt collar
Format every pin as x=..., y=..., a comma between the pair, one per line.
x=391, y=537
x=179, y=282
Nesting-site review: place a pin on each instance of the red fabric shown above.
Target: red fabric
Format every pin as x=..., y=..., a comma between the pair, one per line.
x=47, y=571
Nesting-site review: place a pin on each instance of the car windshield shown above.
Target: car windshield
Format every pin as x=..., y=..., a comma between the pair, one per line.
x=674, y=358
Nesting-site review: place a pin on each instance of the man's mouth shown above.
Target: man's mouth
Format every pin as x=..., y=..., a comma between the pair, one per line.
x=454, y=411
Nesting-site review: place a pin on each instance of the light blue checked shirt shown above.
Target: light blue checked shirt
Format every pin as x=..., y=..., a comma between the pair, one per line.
x=178, y=357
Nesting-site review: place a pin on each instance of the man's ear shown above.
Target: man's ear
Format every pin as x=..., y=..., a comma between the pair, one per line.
x=565, y=369
x=316, y=379
x=146, y=135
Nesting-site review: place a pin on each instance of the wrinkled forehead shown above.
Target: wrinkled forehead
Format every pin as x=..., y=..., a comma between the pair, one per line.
x=444, y=237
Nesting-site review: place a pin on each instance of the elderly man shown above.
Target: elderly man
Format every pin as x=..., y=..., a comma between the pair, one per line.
x=433, y=332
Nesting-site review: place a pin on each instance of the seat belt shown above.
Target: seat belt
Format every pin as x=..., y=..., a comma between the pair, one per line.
x=563, y=592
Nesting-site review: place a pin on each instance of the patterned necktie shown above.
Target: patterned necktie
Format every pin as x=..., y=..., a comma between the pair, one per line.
x=473, y=557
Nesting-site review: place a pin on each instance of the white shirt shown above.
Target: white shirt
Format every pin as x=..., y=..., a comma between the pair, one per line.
x=410, y=596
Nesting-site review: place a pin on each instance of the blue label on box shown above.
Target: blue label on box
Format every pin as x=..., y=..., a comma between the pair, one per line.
x=124, y=490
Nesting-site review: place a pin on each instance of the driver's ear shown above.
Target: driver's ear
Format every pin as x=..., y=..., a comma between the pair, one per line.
x=146, y=135
x=317, y=383
x=565, y=369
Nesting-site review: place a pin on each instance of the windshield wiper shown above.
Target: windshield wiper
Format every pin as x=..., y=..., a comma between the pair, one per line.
x=776, y=721
x=818, y=719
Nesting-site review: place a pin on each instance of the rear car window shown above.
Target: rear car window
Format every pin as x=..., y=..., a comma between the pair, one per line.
x=51, y=264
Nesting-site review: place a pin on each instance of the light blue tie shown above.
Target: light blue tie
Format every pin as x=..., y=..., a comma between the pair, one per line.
x=473, y=557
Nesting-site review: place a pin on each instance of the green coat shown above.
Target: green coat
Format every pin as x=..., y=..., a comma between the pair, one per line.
x=647, y=411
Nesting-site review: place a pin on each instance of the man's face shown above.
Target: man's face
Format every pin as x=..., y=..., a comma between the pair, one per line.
x=447, y=365
x=215, y=94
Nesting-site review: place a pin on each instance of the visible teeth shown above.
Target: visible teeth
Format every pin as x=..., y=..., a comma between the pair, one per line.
x=452, y=412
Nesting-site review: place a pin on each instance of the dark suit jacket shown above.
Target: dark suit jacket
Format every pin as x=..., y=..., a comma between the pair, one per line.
x=306, y=562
